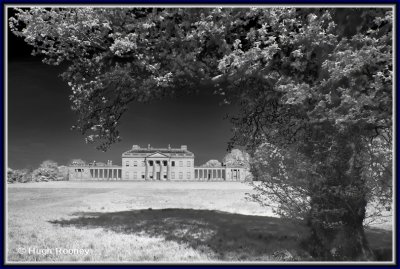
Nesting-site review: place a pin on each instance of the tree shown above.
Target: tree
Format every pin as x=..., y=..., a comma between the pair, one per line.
x=49, y=164
x=325, y=96
x=117, y=56
x=312, y=82
x=47, y=171
x=77, y=162
x=282, y=181
x=237, y=157
x=378, y=173
x=17, y=175
x=212, y=163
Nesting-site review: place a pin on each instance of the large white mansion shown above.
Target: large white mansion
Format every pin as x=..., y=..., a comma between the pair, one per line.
x=156, y=164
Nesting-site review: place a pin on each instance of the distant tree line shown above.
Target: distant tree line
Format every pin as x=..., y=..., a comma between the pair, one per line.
x=47, y=171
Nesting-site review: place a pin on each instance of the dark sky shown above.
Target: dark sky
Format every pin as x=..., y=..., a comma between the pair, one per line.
x=40, y=118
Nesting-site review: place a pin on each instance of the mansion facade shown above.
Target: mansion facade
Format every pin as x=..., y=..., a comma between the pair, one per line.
x=156, y=164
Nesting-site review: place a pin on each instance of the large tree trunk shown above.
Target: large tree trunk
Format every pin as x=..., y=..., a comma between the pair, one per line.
x=338, y=205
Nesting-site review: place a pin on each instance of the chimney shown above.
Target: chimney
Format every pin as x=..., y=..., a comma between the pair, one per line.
x=169, y=146
x=135, y=147
x=184, y=147
x=148, y=146
x=110, y=162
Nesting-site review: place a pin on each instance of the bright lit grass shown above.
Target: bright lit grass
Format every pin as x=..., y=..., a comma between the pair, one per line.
x=152, y=221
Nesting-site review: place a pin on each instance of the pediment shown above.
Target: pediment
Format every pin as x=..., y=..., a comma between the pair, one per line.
x=157, y=155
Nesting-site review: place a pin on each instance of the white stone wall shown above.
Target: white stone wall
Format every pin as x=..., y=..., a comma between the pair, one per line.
x=133, y=168
x=76, y=173
x=183, y=169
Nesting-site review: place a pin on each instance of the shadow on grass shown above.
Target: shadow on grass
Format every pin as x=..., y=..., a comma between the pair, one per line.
x=228, y=236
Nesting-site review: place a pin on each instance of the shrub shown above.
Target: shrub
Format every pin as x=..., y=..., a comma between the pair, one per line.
x=44, y=174
x=22, y=176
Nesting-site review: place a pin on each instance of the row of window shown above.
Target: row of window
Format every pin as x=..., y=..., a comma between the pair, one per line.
x=135, y=175
x=164, y=163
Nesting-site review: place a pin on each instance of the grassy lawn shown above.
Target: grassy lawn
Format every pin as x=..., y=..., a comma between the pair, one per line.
x=151, y=221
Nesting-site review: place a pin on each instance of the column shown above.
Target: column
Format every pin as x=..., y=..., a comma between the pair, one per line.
x=161, y=170
x=168, y=170
x=154, y=170
x=146, y=173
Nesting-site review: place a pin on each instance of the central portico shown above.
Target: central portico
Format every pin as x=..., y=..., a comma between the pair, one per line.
x=158, y=167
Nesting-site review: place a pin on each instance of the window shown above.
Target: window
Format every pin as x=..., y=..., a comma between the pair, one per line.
x=135, y=175
x=188, y=175
x=157, y=162
x=180, y=163
x=127, y=163
x=188, y=163
x=164, y=163
x=142, y=174
x=180, y=175
x=173, y=163
x=151, y=163
x=134, y=163
x=172, y=175
x=126, y=174
x=165, y=176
